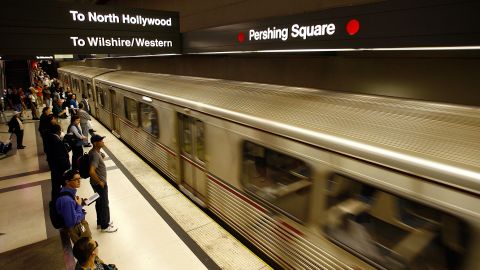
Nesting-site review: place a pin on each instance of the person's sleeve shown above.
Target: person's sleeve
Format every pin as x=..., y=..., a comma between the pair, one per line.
x=94, y=160
x=75, y=131
x=68, y=210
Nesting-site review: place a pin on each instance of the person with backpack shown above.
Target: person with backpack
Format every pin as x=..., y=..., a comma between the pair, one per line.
x=70, y=208
x=98, y=181
x=57, y=157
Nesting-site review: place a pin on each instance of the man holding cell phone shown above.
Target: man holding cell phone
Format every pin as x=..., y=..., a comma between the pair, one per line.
x=70, y=207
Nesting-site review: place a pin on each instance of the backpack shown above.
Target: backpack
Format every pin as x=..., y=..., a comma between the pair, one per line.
x=6, y=147
x=55, y=217
x=70, y=140
x=84, y=165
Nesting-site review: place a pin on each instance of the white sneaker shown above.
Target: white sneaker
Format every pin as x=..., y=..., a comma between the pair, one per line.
x=110, y=229
x=109, y=224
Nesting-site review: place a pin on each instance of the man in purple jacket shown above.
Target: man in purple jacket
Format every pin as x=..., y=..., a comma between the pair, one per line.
x=71, y=209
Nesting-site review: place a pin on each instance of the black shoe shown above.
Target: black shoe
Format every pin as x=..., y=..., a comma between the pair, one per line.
x=91, y=130
x=21, y=147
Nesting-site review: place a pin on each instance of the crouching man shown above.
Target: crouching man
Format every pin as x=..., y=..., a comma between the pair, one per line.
x=69, y=206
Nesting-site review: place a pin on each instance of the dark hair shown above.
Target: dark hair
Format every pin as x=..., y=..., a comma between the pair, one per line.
x=68, y=175
x=74, y=117
x=45, y=109
x=84, y=96
x=80, y=106
x=56, y=129
x=83, y=249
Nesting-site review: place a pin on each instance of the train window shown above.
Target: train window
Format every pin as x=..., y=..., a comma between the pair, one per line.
x=391, y=231
x=200, y=140
x=100, y=96
x=186, y=130
x=89, y=91
x=279, y=179
x=131, y=111
x=149, y=119
x=107, y=96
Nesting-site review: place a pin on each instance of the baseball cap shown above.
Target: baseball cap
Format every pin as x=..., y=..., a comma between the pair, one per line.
x=96, y=138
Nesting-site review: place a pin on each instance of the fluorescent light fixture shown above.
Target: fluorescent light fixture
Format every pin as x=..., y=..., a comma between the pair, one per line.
x=351, y=49
x=63, y=56
x=147, y=99
x=133, y=56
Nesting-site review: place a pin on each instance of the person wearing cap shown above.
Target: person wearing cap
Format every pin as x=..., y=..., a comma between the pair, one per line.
x=71, y=209
x=98, y=180
x=15, y=125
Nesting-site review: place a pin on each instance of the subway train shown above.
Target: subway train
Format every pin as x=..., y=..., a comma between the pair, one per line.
x=314, y=179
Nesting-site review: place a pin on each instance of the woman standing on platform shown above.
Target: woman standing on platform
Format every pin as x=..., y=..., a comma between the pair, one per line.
x=78, y=142
x=33, y=103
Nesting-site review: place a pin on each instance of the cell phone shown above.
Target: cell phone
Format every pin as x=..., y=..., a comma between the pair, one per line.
x=92, y=198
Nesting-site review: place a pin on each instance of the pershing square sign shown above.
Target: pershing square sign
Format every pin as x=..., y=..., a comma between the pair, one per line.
x=38, y=27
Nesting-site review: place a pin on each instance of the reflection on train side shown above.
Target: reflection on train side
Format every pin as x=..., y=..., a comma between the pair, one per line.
x=392, y=232
x=277, y=178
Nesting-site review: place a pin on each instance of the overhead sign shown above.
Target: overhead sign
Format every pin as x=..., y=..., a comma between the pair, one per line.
x=388, y=25
x=45, y=27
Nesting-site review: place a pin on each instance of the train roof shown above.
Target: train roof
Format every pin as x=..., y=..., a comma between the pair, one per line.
x=84, y=71
x=435, y=141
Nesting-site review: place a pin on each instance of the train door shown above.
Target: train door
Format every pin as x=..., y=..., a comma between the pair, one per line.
x=91, y=99
x=112, y=109
x=83, y=91
x=192, y=150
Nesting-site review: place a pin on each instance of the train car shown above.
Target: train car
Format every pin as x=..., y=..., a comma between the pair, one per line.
x=80, y=80
x=315, y=179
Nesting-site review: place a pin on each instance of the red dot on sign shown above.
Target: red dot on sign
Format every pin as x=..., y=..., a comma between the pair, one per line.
x=241, y=37
x=352, y=27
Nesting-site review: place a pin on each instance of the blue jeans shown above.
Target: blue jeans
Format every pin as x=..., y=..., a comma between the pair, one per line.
x=101, y=206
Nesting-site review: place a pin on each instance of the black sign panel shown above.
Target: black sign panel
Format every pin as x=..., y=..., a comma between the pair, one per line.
x=406, y=24
x=45, y=27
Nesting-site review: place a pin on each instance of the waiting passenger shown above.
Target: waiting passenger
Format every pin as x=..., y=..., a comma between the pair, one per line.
x=80, y=140
x=86, y=105
x=15, y=125
x=84, y=122
x=73, y=105
x=71, y=209
x=57, y=157
x=44, y=125
x=98, y=180
x=85, y=251
x=33, y=103
x=58, y=111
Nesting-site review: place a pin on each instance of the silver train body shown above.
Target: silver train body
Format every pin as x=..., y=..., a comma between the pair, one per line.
x=314, y=179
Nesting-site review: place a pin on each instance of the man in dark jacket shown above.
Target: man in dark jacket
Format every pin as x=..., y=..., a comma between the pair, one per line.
x=45, y=125
x=15, y=125
x=57, y=157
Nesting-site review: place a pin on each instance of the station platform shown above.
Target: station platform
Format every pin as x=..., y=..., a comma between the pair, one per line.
x=159, y=228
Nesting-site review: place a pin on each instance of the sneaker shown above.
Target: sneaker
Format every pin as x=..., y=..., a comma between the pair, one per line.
x=20, y=147
x=110, y=229
x=109, y=224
